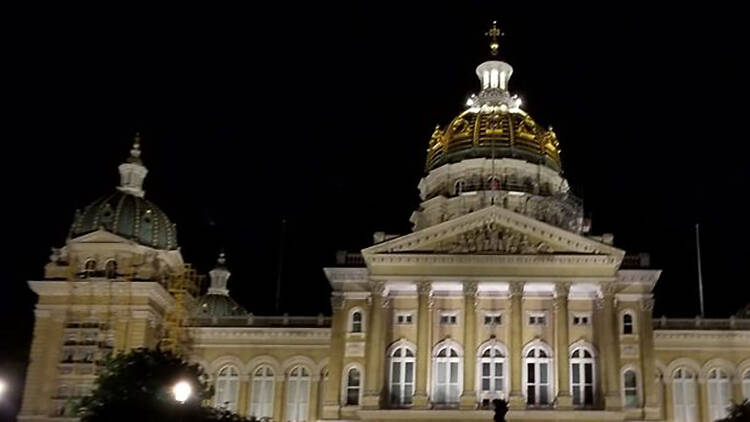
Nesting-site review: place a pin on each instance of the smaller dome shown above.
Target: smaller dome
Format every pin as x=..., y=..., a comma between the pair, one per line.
x=129, y=216
x=217, y=306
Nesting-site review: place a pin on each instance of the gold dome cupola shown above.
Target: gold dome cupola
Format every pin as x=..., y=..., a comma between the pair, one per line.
x=494, y=153
x=494, y=126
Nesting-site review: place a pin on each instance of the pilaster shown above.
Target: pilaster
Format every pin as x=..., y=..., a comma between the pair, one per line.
x=424, y=311
x=469, y=396
x=515, y=291
x=564, y=399
x=650, y=390
x=611, y=347
x=331, y=400
x=375, y=348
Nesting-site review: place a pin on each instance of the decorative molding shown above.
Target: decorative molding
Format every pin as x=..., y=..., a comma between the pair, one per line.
x=424, y=288
x=258, y=333
x=346, y=274
x=647, y=305
x=515, y=288
x=470, y=288
x=337, y=302
x=470, y=259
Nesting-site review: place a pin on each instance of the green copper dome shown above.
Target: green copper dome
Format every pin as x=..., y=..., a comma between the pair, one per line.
x=129, y=216
x=217, y=306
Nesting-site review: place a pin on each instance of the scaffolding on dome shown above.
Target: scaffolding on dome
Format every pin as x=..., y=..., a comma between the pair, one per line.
x=183, y=286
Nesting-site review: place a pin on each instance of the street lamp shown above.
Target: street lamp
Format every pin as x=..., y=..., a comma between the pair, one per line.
x=182, y=391
x=3, y=387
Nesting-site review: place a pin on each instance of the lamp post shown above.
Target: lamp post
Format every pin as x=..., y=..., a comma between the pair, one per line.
x=182, y=391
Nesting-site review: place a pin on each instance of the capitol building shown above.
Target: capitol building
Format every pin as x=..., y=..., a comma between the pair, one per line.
x=499, y=292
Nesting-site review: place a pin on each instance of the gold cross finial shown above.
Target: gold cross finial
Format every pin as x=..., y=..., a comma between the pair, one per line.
x=494, y=34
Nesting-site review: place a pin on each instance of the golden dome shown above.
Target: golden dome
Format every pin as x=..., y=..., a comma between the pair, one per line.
x=494, y=133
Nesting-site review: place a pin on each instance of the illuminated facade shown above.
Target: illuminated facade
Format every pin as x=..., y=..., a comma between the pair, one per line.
x=498, y=293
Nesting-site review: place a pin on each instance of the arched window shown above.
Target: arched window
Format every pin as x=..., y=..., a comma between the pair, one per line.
x=447, y=375
x=227, y=388
x=353, y=387
x=582, y=376
x=719, y=393
x=89, y=268
x=746, y=384
x=401, y=367
x=537, y=376
x=297, y=394
x=684, y=396
x=110, y=269
x=261, y=404
x=356, y=326
x=630, y=388
x=492, y=374
x=627, y=324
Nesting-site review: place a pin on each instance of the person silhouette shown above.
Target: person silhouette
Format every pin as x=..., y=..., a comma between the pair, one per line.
x=501, y=408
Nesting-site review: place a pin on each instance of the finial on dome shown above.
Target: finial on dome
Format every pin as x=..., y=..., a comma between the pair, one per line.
x=494, y=35
x=135, y=152
x=219, y=276
x=132, y=171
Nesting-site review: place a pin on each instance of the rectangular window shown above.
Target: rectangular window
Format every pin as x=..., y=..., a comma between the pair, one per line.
x=537, y=319
x=493, y=319
x=581, y=320
x=404, y=319
x=448, y=319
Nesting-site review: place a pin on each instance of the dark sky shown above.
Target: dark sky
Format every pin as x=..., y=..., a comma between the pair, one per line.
x=322, y=115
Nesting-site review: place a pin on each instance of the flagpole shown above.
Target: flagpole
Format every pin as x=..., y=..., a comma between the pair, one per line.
x=700, y=274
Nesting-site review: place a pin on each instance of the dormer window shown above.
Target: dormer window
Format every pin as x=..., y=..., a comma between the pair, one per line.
x=110, y=269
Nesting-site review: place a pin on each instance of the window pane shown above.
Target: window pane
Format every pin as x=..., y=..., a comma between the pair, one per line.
x=543, y=373
x=485, y=384
x=629, y=379
x=531, y=397
x=588, y=373
x=576, y=374
x=396, y=372
x=352, y=396
x=485, y=369
x=588, y=395
x=409, y=375
x=530, y=373
x=441, y=375
x=576, y=395
x=543, y=395
x=454, y=372
x=498, y=369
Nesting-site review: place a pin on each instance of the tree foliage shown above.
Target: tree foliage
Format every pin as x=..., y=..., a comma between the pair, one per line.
x=137, y=386
x=738, y=413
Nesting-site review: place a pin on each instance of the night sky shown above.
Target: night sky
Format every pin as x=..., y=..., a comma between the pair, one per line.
x=321, y=116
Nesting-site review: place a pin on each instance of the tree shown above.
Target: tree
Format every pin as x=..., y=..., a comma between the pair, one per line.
x=738, y=412
x=137, y=386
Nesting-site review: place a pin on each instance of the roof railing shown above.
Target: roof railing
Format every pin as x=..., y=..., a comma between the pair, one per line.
x=698, y=323
x=319, y=321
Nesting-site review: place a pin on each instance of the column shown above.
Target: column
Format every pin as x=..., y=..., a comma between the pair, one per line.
x=424, y=318
x=515, y=290
x=36, y=372
x=702, y=405
x=611, y=348
x=312, y=404
x=564, y=399
x=331, y=403
x=375, y=348
x=279, y=397
x=469, y=396
x=646, y=334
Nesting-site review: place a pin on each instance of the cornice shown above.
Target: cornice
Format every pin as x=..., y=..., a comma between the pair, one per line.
x=741, y=336
x=468, y=259
x=346, y=274
x=202, y=334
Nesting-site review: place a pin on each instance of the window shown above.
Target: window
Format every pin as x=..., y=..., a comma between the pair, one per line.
x=353, y=378
x=627, y=324
x=298, y=394
x=261, y=404
x=447, y=370
x=401, y=364
x=492, y=374
x=581, y=319
x=404, y=319
x=538, y=318
x=719, y=394
x=89, y=268
x=537, y=364
x=582, y=377
x=746, y=384
x=684, y=396
x=110, y=269
x=227, y=388
x=630, y=388
x=459, y=187
x=493, y=319
x=356, y=322
x=448, y=319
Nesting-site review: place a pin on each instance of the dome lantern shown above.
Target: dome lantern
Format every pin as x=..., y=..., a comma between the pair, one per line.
x=133, y=172
x=219, y=277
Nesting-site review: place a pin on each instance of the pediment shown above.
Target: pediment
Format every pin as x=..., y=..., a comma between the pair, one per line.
x=100, y=236
x=493, y=231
